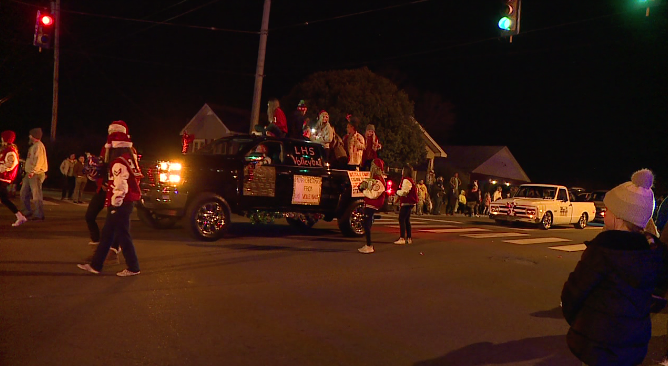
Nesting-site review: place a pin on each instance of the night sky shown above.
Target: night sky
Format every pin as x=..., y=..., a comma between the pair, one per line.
x=580, y=96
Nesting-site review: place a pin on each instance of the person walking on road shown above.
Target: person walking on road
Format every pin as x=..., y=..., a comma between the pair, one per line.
x=123, y=182
x=80, y=180
x=36, y=166
x=374, y=197
x=67, y=170
x=9, y=166
x=408, y=197
x=607, y=298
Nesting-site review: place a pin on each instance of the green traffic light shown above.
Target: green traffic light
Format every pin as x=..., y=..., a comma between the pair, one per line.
x=505, y=23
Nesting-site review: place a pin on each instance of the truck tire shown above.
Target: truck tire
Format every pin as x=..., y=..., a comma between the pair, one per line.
x=302, y=221
x=209, y=217
x=155, y=221
x=351, y=222
x=582, y=221
x=547, y=221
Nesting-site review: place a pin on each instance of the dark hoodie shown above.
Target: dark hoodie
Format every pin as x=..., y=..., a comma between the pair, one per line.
x=607, y=298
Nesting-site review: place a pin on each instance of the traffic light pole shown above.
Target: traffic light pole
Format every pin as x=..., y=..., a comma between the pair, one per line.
x=259, y=71
x=55, y=9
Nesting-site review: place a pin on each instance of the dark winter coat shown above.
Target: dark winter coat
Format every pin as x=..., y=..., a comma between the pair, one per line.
x=607, y=298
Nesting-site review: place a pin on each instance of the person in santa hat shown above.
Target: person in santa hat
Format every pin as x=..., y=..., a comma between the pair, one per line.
x=96, y=170
x=9, y=166
x=123, y=191
x=373, y=189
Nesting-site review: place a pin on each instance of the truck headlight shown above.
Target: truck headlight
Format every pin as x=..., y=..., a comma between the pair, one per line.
x=170, y=172
x=531, y=211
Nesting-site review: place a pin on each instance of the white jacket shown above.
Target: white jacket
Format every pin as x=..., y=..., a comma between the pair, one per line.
x=355, y=149
x=36, y=160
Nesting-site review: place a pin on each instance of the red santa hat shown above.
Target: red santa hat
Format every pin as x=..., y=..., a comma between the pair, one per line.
x=117, y=140
x=8, y=136
x=379, y=163
x=118, y=126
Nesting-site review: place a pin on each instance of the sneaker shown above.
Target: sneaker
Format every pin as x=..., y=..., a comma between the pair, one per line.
x=409, y=241
x=20, y=221
x=87, y=267
x=401, y=241
x=127, y=273
x=93, y=242
x=366, y=249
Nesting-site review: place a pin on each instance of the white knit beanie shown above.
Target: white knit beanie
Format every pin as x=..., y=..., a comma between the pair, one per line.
x=633, y=201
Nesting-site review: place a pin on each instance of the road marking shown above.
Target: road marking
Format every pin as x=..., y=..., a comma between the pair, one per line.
x=438, y=231
x=535, y=241
x=493, y=235
x=438, y=220
x=423, y=226
x=570, y=248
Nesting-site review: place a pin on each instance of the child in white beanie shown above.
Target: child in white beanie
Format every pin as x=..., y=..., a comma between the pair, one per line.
x=607, y=298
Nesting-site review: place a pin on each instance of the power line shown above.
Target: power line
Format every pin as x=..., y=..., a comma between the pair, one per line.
x=347, y=15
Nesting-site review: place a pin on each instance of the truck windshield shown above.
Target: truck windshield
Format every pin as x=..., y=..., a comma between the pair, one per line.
x=536, y=192
x=228, y=147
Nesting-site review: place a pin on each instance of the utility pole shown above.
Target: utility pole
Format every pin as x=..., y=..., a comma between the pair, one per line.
x=259, y=71
x=55, y=10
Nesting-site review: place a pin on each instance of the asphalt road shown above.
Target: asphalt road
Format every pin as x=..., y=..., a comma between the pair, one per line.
x=466, y=292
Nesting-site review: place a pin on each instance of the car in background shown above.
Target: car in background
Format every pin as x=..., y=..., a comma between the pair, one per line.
x=597, y=197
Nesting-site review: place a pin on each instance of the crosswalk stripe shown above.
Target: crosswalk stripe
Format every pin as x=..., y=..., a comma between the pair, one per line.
x=535, y=241
x=423, y=227
x=459, y=230
x=493, y=235
x=570, y=248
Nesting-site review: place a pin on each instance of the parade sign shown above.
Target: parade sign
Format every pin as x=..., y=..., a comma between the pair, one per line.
x=306, y=190
x=355, y=179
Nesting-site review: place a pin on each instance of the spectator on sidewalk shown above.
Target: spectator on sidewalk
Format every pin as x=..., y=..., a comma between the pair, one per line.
x=36, y=167
x=455, y=187
x=498, y=194
x=461, y=208
x=9, y=166
x=487, y=201
x=67, y=170
x=438, y=194
x=608, y=297
x=122, y=193
x=423, y=196
x=80, y=180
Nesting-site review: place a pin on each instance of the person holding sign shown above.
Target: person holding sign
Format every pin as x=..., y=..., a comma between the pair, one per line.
x=374, y=197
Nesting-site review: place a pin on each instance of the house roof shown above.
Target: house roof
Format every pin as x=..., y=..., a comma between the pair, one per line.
x=214, y=121
x=496, y=161
x=429, y=141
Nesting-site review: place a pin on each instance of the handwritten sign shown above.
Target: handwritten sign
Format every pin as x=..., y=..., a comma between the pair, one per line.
x=306, y=156
x=259, y=180
x=355, y=179
x=306, y=190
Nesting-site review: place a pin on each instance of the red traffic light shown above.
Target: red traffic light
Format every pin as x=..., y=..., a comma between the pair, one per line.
x=46, y=20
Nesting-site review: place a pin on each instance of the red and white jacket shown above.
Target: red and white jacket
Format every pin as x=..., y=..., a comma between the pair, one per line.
x=123, y=177
x=374, y=194
x=9, y=163
x=407, y=192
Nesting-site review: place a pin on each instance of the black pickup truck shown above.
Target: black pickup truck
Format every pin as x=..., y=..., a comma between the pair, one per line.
x=250, y=175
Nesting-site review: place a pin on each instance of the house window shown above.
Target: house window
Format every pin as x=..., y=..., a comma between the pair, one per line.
x=198, y=143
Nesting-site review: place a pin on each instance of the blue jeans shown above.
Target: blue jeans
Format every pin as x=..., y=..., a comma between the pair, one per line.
x=32, y=188
x=116, y=229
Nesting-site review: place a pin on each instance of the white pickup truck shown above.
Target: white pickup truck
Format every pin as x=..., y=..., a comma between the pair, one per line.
x=543, y=204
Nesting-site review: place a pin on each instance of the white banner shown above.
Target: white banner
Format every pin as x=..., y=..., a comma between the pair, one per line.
x=355, y=179
x=306, y=190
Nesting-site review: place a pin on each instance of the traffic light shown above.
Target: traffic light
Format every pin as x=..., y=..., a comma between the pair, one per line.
x=43, y=30
x=510, y=17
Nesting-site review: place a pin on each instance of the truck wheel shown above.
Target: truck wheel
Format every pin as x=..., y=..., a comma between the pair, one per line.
x=209, y=217
x=302, y=221
x=155, y=221
x=547, y=220
x=582, y=222
x=351, y=222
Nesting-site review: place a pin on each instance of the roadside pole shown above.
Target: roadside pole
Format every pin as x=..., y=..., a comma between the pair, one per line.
x=55, y=10
x=259, y=71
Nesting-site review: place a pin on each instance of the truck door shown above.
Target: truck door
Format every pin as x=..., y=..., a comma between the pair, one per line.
x=565, y=208
x=307, y=187
x=262, y=166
